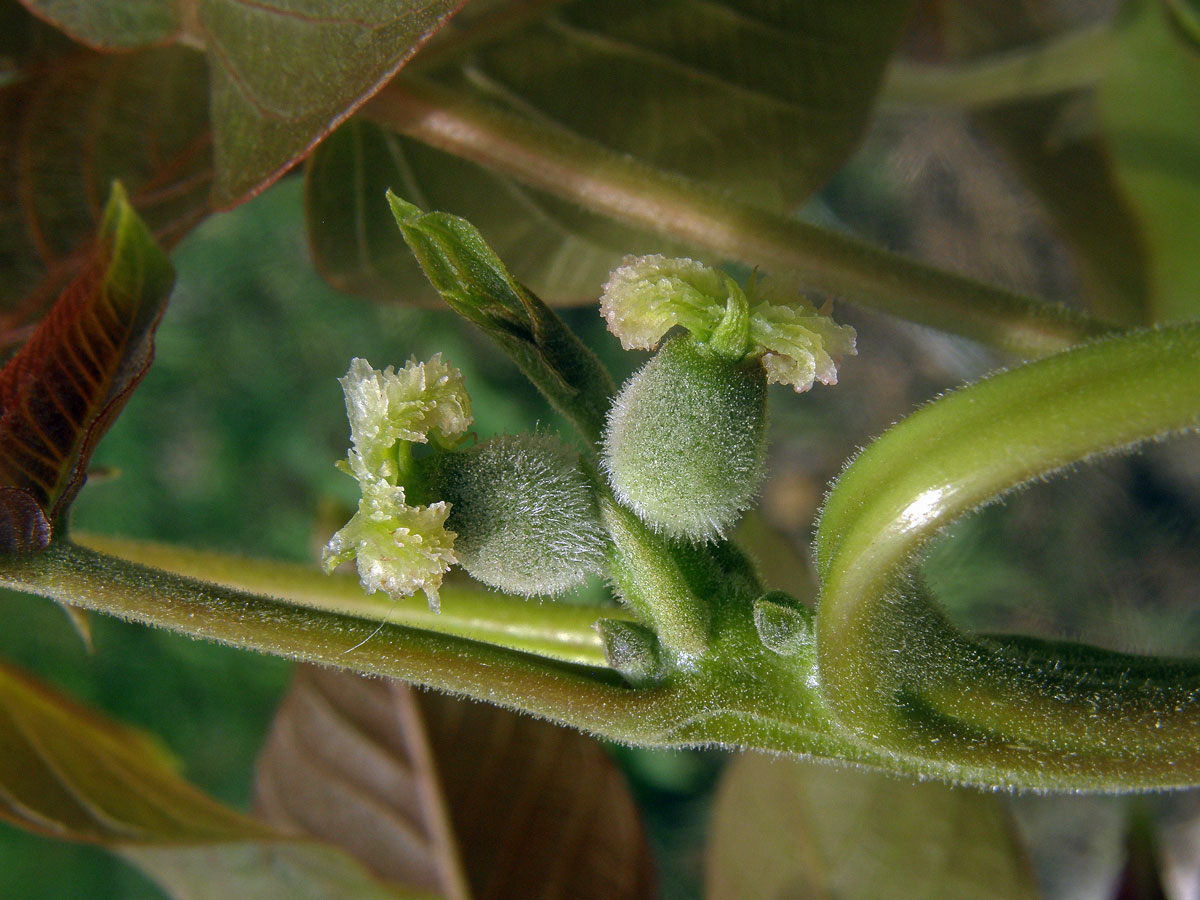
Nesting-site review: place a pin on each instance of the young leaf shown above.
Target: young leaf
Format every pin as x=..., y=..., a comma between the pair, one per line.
x=473, y=280
x=282, y=74
x=761, y=100
x=449, y=796
x=787, y=828
x=60, y=393
x=68, y=773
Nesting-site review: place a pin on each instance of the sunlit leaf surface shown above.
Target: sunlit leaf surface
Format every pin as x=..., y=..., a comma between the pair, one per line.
x=1149, y=105
x=281, y=74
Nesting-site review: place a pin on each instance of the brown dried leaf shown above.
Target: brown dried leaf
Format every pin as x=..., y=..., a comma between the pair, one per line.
x=446, y=795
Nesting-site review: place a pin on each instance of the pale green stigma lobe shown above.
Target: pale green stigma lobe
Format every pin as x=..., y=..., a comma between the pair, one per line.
x=384, y=408
x=398, y=548
x=649, y=295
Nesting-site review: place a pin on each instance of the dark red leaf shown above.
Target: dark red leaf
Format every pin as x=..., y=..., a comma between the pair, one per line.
x=60, y=393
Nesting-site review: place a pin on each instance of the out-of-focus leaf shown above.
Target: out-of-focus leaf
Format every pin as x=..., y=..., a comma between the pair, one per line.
x=282, y=74
x=1141, y=878
x=476, y=283
x=1076, y=844
x=1055, y=147
x=114, y=24
x=357, y=248
x=761, y=98
x=1176, y=817
x=67, y=773
x=1149, y=107
x=786, y=828
x=446, y=795
x=60, y=393
x=69, y=127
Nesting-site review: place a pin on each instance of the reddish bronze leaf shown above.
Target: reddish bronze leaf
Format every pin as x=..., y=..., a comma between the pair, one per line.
x=59, y=394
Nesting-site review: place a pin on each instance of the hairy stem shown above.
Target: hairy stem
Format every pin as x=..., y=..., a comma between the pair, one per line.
x=893, y=668
x=701, y=709
x=76, y=575
x=558, y=630
x=633, y=192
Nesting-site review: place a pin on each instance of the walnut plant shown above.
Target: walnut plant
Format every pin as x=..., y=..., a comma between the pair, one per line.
x=563, y=135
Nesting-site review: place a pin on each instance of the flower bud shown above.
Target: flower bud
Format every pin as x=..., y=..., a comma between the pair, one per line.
x=686, y=440
x=523, y=511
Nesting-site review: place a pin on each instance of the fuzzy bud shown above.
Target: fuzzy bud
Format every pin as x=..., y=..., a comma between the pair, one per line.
x=686, y=440
x=523, y=511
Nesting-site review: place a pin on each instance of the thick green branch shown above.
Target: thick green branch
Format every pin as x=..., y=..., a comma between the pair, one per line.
x=590, y=698
x=700, y=709
x=1049, y=714
x=638, y=194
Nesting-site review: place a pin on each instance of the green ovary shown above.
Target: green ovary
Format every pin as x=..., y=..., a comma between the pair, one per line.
x=685, y=444
x=524, y=514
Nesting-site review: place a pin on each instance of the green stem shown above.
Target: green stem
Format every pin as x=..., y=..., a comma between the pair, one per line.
x=699, y=709
x=1069, y=62
x=633, y=192
x=69, y=573
x=1048, y=714
x=558, y=630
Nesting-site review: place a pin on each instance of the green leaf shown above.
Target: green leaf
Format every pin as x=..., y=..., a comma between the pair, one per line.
x=1149, y=108
x=1055, y=148
x=60, y=393
x=68, y=773
x=760, y=99
x=114, y=24
x=357, y=249
x=472, y=279
x=282, y=74
x=76, y=122
x=448, y=796
x=786, y=828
